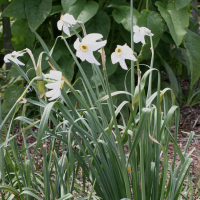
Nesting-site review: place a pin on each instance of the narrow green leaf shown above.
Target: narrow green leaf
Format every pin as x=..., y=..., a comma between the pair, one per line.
x=144, y=117
x=181, y=176
x=67, y=196
x=43, y=122
x=112, y=94
x=9, y=189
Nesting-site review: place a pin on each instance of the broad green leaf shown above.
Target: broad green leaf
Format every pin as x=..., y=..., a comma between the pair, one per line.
x=125, y=34
x=83, y=12
x=100, y=23
x=181, y=55
x=66, y=4
x=88, y=11
x=4, y=2
x=56, y=9
x=37, y=11
x=115, y=3
x=66, y=63
x=177, y=20
x=192, y=44
x=154, y=22
x=121, y=14
x=110, y=68
x=172, y=78
x=182, y=3
x=164, y=50
x=12, y=93
x=75, y=8
x=22, y=35
x=15, y=9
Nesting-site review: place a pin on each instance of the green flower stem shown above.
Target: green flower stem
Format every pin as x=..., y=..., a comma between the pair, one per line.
x=139, y=5
x=151, y=66
x=37, y=78
x=3, y=77
x=142, y=175
x=132, y=47
x=2, y=171
x=106, y=4
x=85, y=79
x=147, y=5
x=83, y=27
x=76, y=33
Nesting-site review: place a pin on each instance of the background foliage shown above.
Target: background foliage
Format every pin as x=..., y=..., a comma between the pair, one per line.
x=175, y=40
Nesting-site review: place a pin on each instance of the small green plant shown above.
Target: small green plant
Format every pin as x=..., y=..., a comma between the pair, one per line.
x=192, y=97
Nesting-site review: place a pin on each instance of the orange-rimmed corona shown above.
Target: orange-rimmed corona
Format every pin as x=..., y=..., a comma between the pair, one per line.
x=118, y=51
x=83, y=48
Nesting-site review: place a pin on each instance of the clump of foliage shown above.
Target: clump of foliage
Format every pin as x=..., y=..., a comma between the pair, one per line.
x=119, y=159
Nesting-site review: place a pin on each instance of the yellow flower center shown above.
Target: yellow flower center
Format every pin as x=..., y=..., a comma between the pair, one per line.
x=83, y=47
x=118, y=51
x=61, y=85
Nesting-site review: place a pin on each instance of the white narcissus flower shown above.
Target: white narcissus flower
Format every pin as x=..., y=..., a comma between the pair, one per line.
x=65, y=22
x=56, y=87
x=13, y=57
x=140, y=32
x=121, y=53
x=85, y=48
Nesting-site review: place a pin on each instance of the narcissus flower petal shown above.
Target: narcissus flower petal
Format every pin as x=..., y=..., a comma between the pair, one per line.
x=13, y=57
x=56, y=86
x=85, y=48
x=65, y=22
x=139, y=34
x=121, y=53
